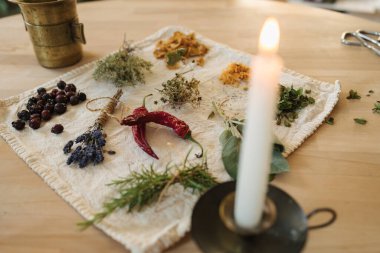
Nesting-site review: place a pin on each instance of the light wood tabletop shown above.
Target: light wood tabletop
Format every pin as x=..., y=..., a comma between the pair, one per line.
x=338, y=167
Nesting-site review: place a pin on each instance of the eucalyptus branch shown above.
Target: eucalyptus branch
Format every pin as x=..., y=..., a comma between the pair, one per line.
x=142, y=188
x=231, y=124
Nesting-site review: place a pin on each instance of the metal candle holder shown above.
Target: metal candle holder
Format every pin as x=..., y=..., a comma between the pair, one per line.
x=284, y=227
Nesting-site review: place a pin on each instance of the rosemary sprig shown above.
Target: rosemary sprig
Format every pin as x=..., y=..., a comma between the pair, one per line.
x=142, y=188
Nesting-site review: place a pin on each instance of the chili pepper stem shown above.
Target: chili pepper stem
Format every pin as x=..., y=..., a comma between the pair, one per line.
x=190, y=138
x=143, y=104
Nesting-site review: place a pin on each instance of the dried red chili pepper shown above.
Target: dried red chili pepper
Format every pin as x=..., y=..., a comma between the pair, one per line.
x=138, y=130
x=165, y=119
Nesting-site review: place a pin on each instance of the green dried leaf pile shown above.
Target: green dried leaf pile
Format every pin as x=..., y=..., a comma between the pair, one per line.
x=122, y=68
x=290, y=103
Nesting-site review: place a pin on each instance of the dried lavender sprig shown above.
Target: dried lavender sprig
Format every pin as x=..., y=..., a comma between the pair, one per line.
x=90, y=144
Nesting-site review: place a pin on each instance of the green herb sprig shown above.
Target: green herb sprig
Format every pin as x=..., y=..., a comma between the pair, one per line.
x=290, y=103
x=140, y=189
x=376, y=107
x=178, y=91
x=123, y=68
x=352, y=94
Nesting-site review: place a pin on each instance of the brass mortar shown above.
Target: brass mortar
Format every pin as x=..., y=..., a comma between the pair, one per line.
x=54, y=29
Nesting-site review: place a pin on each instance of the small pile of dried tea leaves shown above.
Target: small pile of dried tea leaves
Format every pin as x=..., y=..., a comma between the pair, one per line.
x=122, y=68
x=291, y=102
x=178, y=47
x=234, y=74
x=353, y=95
x=178, y=91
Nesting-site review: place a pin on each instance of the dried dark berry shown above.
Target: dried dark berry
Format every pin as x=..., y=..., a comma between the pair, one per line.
x=49, y=107
x=41, y=91
x=61, y=85
x=32, y=100
x=35, y=123
x=74, y=100
x=18, y=124
x=111, y=152
x=46, y=115
x=60, y=108
x=38, y=97
x=70, y=87
x=61, y=99
x=41, y=103
x=35, y=109
x=50, y=101
x=82, y=96
x=23, y=115
x=70, y=94
x=46, y=96
x=54, y=91
x=57, y=129
x=61, y=92
x=36, y=115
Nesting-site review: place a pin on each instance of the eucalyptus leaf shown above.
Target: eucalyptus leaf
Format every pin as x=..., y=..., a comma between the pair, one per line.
x=230, y=155
x=231, y=150
x=279, y=163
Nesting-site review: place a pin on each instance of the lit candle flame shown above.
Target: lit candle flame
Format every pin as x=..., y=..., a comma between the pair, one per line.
x=269, y=36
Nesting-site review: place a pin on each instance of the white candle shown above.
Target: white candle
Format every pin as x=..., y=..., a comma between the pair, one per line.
x=256, y=151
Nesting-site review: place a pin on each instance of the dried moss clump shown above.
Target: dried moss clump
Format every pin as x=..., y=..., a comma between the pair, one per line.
x=122, y=68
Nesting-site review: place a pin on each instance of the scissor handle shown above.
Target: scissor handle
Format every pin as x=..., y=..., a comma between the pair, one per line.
x=368, y=32
x=368, y=38
x=344, y=39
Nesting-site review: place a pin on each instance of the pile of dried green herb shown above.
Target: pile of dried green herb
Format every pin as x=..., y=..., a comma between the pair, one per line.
x=290, y=103
x=178, y=91
x=122, y=68
x=142, y=188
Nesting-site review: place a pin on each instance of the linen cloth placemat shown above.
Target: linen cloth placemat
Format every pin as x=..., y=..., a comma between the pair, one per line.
x=157, y=226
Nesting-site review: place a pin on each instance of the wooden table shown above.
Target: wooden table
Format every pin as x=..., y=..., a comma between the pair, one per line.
x=339, y=166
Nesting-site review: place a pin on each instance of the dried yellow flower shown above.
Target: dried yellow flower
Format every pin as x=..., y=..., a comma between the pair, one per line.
x=234, y=74
x=179, y=42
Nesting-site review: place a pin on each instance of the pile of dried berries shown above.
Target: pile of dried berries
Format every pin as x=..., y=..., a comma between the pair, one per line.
x=178, y=91
x=179, y=46
x=234, y=74
x=45, y=104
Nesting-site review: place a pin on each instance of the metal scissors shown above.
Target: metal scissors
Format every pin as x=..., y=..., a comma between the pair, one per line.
x=368, y=39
